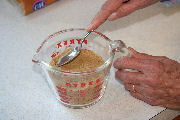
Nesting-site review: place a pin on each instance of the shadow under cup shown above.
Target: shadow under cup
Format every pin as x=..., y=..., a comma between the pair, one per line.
x=76, y=89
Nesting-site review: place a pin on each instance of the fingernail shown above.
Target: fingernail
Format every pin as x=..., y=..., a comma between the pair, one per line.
x=112, y=17
x=89, y=27
x=132, y=50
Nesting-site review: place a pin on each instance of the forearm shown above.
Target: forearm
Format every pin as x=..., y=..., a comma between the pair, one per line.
x=171, y=2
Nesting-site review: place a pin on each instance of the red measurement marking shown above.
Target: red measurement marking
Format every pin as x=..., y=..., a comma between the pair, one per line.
x=58, y=87
x=75, y=85
x=64, y=97
x=72, y=41
x=99, y=85
x=65, y=42
x=79, y=41
x=96, y=96
x=98, y=80
x=64, y=101
x=53, y=55
x=59, y=45
x=70, y=97
x=62, y=92
x=91, y=82
x=63, y=89
x=83, y=84
x=68, y=84
x=97, y=90
x=51, y=36
x=85, y=41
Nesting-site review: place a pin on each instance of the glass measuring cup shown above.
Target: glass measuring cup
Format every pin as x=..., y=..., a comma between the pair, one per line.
x=78, y=89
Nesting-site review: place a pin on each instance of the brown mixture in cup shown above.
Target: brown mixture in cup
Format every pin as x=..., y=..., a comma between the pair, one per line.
x=79, y=89
x=87, y=60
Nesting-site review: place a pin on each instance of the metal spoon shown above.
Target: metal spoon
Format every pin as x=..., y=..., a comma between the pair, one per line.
x=71, y=54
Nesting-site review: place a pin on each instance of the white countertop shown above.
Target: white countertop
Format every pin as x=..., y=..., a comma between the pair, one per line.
x=25, y=94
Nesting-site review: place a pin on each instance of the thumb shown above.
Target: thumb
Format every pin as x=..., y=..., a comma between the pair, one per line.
x=139, y=55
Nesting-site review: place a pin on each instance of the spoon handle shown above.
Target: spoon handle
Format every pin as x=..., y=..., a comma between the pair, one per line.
x=85, y=37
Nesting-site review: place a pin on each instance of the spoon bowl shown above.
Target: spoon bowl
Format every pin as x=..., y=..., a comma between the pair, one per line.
x=69, y=56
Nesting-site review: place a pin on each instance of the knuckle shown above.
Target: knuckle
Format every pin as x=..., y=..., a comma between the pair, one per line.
x=164, y=57
x=125, y=60
x=155, y=83
x=122, y=9
x=105, y=7
x=122, y=12
x=120, y=62
x=157, y=67
x=151, y=93
x=126, y=11
x=151, y=82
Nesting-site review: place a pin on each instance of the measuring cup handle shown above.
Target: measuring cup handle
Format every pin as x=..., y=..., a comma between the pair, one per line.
x=119, y=49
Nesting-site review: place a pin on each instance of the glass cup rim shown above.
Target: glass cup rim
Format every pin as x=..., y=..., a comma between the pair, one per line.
x=54, y=69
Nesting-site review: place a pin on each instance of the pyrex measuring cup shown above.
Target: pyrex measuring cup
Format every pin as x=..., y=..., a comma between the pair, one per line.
x=78, y=89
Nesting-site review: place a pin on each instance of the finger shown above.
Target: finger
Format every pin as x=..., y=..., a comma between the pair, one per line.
x=123, y=10
x=172, y=106
x=143, y=65
x=130, y=77
x=172, y=103
x=136, y=54
x=147, y=91
x=150, y=101
x=106, y=10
